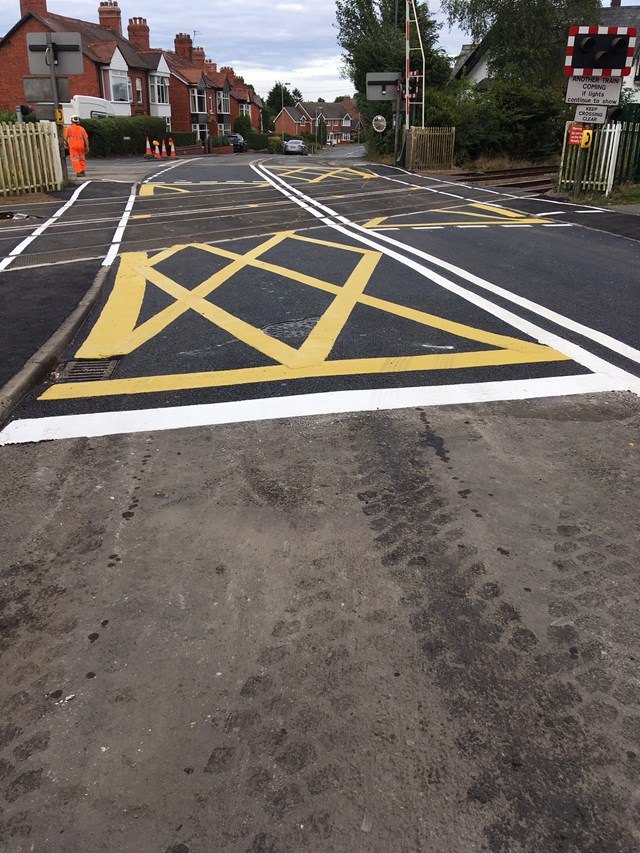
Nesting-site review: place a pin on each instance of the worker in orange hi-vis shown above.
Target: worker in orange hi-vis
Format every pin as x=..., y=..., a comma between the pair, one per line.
x=78, y=142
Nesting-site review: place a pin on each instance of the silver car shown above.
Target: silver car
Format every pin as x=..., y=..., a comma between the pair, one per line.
x=295, y=146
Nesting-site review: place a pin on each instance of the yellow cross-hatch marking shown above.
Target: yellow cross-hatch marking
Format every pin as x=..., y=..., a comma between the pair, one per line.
x=490, y=215
x=316, y=174
x=116, y=332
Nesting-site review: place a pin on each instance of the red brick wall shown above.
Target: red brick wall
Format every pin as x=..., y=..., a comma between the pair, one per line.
x=285, y=121
x=13, y=55
x=180, y=105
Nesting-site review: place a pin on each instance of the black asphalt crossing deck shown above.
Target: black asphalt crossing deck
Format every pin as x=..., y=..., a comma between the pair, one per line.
x=83, y=231
x=327, y=316
x=33, y=304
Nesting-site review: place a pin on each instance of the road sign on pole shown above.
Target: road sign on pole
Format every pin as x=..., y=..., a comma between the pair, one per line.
x=597, y=91
x=383, y=85
x=590, y=115
x=65, y=48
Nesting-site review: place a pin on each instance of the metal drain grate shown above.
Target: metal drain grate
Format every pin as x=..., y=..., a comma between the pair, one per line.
x=292, y=328
x=85, y=370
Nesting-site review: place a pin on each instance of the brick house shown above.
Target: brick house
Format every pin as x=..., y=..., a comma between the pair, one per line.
x=181, y=86
x=114, y=69
x=342, y=120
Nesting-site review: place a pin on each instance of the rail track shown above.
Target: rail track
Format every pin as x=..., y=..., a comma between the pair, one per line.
x=536, y=179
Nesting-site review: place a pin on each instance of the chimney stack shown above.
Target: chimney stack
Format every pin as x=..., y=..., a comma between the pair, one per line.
x=197, y=56
x=138, y=30
x=210, y=67
x=183, y=46
x=38, y=7
x=109, y=16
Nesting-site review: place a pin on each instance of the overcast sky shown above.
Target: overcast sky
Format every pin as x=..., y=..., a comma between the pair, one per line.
x=293, y=41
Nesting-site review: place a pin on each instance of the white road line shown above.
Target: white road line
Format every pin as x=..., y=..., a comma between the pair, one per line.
x=119, y=232
x=169, y=168
x=13, y=254
x=295, y=406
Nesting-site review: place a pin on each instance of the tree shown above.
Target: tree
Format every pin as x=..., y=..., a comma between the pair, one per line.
x=525, y=39
x=242, y=125
x=296, y=95
x=278, y=95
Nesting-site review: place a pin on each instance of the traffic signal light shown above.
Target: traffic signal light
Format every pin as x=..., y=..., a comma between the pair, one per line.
x=411, y=85
x=600, y=51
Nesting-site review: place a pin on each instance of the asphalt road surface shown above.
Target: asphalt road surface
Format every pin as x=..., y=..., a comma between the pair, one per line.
x=323, y=535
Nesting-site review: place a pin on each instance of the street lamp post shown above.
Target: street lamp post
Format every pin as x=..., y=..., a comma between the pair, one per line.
x=282, y=111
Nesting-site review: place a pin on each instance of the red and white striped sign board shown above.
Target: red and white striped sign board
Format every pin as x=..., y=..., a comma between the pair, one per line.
x=622, y=70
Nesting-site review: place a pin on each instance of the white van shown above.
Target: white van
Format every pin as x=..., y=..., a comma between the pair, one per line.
x=86, y=106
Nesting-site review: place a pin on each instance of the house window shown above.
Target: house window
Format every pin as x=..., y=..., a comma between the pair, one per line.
x=223, y=102
x=245, y=109
x=201, y=131
x=303, y=122
x=167, y=121
x=346, y=137
x=198, y=101
x=159, y=87
x=346, y=121
x=224, y=129
x=138, y=90
x=120, y=87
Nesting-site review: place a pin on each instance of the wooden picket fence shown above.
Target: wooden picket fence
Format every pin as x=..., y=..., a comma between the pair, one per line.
x=29, y=158
x=614, y=157
x=430, y=148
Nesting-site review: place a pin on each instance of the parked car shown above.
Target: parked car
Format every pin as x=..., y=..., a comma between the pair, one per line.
x=238, y=141
x=295, y=146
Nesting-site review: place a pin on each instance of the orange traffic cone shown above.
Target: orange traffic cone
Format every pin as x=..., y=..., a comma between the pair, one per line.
x=172, y=147
x=164, y=149
x=148, y=152
x=156, y=146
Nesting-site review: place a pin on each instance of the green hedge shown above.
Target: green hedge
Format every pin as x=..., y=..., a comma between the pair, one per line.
x=218, y=141
x=258, y=141
x=112, y=137
x=183, y=137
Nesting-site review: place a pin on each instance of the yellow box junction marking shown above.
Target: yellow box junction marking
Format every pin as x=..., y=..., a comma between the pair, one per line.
x=490, y=216
x=316, y=174
x=116, y=331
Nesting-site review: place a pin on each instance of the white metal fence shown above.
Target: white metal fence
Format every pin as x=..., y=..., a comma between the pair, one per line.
x=29, y=158
x=614, y=155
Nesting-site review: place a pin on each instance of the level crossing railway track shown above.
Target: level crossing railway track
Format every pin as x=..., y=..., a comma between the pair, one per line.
x=538, y=179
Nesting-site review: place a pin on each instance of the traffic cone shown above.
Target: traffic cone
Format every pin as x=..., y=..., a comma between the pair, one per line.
x=172, y=147
x=148, y=152
x=156, y=146
x=164, y=149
